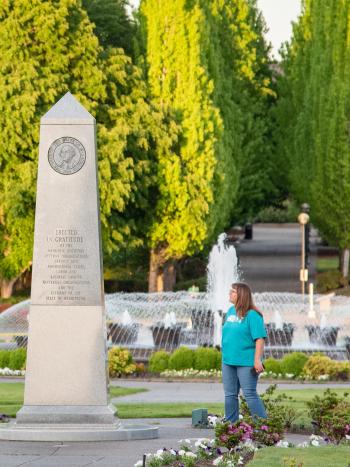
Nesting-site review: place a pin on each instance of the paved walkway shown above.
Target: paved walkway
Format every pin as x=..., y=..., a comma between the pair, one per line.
x=127, y=453
x=181, y=391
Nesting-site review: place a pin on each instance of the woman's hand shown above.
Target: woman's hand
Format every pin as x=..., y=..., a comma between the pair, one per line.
x=258, y=366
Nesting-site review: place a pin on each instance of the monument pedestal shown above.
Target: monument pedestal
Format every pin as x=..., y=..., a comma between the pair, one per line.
x=76, y=432
x=65, y=397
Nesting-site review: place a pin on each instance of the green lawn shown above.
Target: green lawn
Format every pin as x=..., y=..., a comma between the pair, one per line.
x=325, y=456
x=327, y=263
x=11, y=400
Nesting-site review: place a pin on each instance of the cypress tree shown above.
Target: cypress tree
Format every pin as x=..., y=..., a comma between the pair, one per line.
x=206, y=63
x=314, y=134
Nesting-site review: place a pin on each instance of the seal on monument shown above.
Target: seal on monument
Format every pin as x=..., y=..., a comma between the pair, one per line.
x=66, y=155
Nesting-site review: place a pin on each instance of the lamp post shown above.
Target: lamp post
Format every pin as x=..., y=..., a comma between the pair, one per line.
x=303, y=219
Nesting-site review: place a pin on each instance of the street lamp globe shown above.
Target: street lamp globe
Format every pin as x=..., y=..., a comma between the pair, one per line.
x=303, y=218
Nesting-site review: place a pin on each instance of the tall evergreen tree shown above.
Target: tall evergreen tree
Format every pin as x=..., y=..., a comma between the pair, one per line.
x=205, y=63
x=314, y=110
x=47, y=48
x=113, y=26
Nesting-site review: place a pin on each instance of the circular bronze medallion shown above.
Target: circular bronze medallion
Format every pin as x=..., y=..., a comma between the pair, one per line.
x=66, y=155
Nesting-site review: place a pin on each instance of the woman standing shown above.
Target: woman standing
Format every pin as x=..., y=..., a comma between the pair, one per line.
x=243, y=337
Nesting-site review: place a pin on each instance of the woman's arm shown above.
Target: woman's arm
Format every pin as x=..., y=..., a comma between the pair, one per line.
x=259, y=351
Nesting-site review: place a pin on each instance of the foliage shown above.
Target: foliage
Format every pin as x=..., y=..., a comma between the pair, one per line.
x=220, y=104
x=120, y=362
x=13, y=359
x=319, y=364
x=272, y=365
x=181, y=359
x=288, y=212
x=207, y=359
x=331, y=415
x=4, y=358
x=313, y=116
x=278, y=407
x=113, y=26
x=17, y=360
x=294, y=363
x=329, y=280
x=159, y=361
x=264, y=432
x=47, y=46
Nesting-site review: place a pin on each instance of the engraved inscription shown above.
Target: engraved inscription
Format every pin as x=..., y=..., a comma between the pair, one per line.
x=66, y=155
x=66, y=256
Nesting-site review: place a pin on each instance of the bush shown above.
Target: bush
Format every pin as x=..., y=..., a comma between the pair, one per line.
x=4, y=358
x=330, y=280
x=273, y=365
x=286, y=212
x=206, y=358
x=330, y=414
x=159, y=361
x=120, y=362
x=13, y=359
x=18, y=359
x=181, y=359
x=278, y=408
x=318, y=365
x=294, y=363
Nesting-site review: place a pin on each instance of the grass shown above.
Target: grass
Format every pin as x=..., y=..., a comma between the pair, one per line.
x=327, y=263
x=11, y=400
x=325, y=456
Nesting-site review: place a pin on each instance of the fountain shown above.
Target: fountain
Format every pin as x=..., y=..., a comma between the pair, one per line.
x=146, y=322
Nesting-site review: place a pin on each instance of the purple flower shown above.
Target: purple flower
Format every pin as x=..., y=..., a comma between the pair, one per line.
x=265, y=427
x=223, y=438
x=218, y=451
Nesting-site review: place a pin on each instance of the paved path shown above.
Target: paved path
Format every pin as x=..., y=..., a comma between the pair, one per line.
x=105, y=454
x=270, y=262
x=181, y=391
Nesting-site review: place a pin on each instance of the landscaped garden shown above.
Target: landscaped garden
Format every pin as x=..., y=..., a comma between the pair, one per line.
x=324, y=415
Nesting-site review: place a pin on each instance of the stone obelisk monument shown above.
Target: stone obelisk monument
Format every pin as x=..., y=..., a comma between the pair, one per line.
x=66, y=376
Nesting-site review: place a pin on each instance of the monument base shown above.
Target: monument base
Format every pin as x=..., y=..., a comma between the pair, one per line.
x=72, y=432
x=68, y=414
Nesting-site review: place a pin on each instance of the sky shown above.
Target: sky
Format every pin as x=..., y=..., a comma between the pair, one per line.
x=278, y=15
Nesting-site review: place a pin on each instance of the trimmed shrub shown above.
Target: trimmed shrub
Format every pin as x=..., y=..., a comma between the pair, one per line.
x=206, y=358
x=273, y=365
x=317, y=365
x=159, y=361
x=330, y=280
x=18, y=359
x=120, y=362
x=340, y=370
x=294, y=363
x=4, y=358
x=181, y=359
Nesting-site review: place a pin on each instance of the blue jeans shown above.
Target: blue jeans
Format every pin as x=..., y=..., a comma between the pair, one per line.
x=234, y=378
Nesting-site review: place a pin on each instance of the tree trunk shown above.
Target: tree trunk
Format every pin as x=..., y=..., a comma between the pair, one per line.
x=6, y=287
x=162, y=273
x=344, y=262
x=169, y=276
x=155, y=276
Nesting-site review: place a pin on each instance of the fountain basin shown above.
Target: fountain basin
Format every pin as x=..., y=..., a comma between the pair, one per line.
x=166, y=337
x=325, y=336
x=123, y=333
x=279, y=336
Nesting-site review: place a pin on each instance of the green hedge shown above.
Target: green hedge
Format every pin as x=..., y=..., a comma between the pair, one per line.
x=181, y=359
x=159, y=361
x=13, y=359
x=206, y=358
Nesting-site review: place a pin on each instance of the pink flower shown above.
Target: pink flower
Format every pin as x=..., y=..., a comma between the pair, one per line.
x=223, y=438
x=265, y=427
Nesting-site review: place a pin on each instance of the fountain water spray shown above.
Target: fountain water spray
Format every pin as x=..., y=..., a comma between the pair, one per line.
x=222, y=273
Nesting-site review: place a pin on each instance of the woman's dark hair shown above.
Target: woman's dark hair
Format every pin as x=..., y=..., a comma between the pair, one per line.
x=244, y=301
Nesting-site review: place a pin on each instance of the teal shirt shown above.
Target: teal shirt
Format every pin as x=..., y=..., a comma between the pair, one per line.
x=238, y=337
